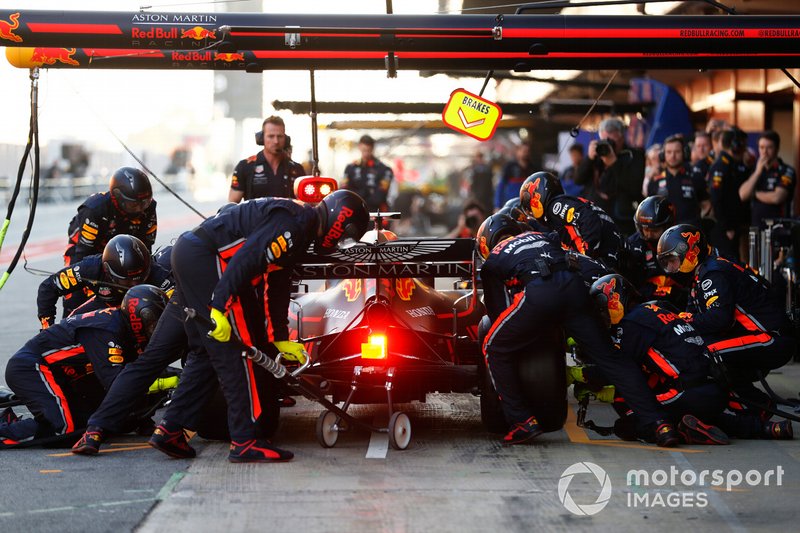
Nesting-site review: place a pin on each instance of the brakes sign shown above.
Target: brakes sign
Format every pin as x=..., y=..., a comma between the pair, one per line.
x=471, y=114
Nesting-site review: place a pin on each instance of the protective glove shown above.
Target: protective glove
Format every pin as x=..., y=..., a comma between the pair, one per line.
x=292, y=351
x=222, y=328
x=46, y=321
x=605, y=395
x=162, y=384
x=575, y=375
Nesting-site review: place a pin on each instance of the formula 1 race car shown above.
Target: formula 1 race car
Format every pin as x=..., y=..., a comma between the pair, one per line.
x=380, y=332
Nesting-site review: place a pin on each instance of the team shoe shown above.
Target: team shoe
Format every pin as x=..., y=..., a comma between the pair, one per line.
x=257, y=451
x=8, y=416
x=172, y=443
x=666, y=436
x=90, y=441
x=778, y=430
x=693, y=431
x=523, y=431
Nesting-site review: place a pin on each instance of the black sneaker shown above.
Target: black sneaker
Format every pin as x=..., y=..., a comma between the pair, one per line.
x=693, y=431
x=172, y=443
x=778, y=430
x=257, y=451
x=666, y=436
x=523, y=431
x=90, y=442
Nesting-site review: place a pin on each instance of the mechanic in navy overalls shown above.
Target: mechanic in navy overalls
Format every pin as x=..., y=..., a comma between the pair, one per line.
x=770, y=187
x=270, y=172
x=653, y=216
x=674, y=358
x=554, y=296
x=216, y=267
x=369, y=177
x=125, y=262
x=736, y=311
x=685, y=190
x=581, y=225
x=126, y=208
x=56, y=373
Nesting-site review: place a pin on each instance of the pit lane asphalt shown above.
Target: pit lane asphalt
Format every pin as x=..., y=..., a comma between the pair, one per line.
x=453, y=476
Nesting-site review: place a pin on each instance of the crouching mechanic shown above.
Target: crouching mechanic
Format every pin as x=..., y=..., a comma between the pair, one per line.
x=554, y=295
x=61, y=372
x=125, y=262
x=215, y=266
x=736, y=311
x=581, y=225
x=674, y=358
x=653, y=216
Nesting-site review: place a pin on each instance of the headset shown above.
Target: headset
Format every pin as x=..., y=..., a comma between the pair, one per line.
x=260, y=137
x=687, y=151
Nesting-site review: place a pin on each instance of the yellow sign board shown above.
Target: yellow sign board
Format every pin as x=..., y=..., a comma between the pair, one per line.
x=471, y=114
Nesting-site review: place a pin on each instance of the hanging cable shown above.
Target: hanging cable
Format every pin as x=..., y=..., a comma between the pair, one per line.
x=314, y=143
x=17, y=185
x=34, y=141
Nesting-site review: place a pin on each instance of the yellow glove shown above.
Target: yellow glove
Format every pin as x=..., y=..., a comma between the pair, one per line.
x=222, y=328
x=292, y=351
x=162, y=384
x=606, y=394
x=575, y=375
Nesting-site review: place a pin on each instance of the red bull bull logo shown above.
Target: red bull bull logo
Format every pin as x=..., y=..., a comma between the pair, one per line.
x=228, y=58
x=404, y=288
x=615, y=308
x=7, y=28
x=51, y=56
x=351, y=288
x=198, y=33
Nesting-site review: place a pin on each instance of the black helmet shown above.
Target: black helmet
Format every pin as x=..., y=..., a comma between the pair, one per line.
x=681, y=248
x=614, y=296
x=653, y=216
x=536, y=192
x=143, y=305
x=126, y=260
x=494, y=229
x=343, y=217
x=130, y=190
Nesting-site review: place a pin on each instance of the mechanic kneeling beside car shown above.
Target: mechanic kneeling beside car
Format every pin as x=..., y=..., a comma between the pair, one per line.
x=554, y=296
x=60, y=372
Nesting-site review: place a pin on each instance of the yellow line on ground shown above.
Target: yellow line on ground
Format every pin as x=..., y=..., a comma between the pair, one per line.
x=107, y=450
x=578, y=435
x=50, y=471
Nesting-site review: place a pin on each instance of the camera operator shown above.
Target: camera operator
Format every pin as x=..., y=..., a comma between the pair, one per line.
x=469, y=221
x=612, y=174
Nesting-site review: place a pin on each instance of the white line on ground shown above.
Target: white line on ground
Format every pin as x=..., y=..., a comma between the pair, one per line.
x=716, y=501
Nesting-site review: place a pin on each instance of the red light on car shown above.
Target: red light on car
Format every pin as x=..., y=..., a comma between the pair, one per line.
x=313, y=189
x=375, y=347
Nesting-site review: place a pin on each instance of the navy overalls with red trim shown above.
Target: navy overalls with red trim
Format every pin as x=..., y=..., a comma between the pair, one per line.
x=237, y=261
x=89, y=347
x=553, y=297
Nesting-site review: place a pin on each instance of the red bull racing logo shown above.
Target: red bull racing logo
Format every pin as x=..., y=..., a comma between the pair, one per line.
x=51, y=56
x=198, y=33
x=337, y=230
x=7, y=28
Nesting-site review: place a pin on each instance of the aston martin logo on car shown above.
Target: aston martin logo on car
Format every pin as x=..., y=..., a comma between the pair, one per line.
x=391, y=252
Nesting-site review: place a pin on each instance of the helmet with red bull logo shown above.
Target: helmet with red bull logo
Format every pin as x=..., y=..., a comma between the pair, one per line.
x=654, y=215
x=536, y=192
x=143, y=305
x=343, y=219
x=130, y=190
x=681, y=249
x=495, y=229
x=614, y=296
x=126, y=260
